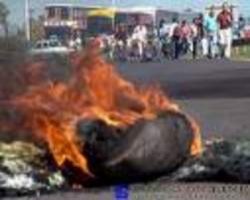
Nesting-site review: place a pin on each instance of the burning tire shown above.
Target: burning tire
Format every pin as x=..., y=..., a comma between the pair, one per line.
x=124, y=136
x=143, y=151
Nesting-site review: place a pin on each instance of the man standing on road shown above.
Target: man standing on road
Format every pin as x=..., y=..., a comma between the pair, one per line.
x=120, y=45
x=202, y=40
x=175, y=35
x=140, y=35
x=225, y=21
x=186, y=33
x=241, y=27
x=211, y=28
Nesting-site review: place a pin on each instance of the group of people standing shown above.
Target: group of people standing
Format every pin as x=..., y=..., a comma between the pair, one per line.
x=213, y=33
x=133, y=44
x=209, y=35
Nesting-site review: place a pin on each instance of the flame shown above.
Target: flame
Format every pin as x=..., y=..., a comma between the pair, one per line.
x=196, y=146
x=94, y=91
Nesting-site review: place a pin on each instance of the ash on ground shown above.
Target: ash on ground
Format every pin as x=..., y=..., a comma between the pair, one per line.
x=221, y=161
x=24, y=168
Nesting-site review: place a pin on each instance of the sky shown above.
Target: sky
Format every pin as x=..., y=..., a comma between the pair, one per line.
x=16, y=7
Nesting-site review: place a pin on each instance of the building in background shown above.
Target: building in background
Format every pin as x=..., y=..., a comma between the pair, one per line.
x=150, y=16
x=68, y=20
x=104, y=20
x=65, y=20
x=101, y=21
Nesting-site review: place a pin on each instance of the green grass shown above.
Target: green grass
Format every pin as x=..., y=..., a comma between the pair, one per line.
x=242, y=52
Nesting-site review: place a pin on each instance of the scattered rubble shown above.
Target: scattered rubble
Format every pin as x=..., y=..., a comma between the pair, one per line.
x=221, y=161
x=24, y=170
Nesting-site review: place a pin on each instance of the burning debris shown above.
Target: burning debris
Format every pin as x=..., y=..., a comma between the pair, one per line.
x=98, y=127
x=24, y=170
x=222, y=161
x=145, y=150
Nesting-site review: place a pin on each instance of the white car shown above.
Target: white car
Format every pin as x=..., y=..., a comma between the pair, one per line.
x=49, y=47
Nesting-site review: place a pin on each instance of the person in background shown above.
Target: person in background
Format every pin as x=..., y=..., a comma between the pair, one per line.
x=240, y=31
x=175, y=35
x=201, y=34
x=121, y=34
x=140, y=35
x=163, y=29
x=211, y=28
x=185, y=36
x=78, y=41
x=71, y=42
x=195, y=38
x=164, y=41
x=225, y=21
x=241, y=27
x=120, y=43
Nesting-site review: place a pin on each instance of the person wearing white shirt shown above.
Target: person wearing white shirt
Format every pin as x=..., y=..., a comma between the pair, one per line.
x=163, y=29
x=172, y=27
x=140, y=35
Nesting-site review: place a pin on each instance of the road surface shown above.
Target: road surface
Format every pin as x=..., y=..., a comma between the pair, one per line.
x=216, y=93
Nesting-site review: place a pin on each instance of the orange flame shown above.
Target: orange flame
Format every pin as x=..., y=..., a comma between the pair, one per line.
x=196, y=147
x=95, y=91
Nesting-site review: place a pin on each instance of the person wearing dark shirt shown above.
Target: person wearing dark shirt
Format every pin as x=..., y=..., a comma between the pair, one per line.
x=195, y=38
x=175, y=35
x=121, y=42
x=241, y=27
x=199, y=22
x=225, y=22
x=121, y=34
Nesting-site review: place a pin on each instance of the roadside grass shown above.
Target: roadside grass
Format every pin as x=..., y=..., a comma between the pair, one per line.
x=242, y=53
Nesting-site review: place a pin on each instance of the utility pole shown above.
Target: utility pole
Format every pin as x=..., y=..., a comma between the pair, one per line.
x=114, y=8
x=27, y=20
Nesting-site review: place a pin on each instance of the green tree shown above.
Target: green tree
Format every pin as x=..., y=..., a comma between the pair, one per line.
x=37, y=28
x=4, y=12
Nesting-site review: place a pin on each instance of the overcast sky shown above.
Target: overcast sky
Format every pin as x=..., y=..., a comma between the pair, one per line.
x=16, y=7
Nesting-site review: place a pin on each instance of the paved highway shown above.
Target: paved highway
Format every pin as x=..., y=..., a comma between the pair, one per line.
x=215, y=92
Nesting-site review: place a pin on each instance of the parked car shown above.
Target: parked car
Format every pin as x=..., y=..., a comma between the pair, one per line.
x=49, y=47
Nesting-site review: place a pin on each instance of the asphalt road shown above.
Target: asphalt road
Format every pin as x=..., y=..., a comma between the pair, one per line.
x=215, y=92
x=188, y=79
x=171, y=191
